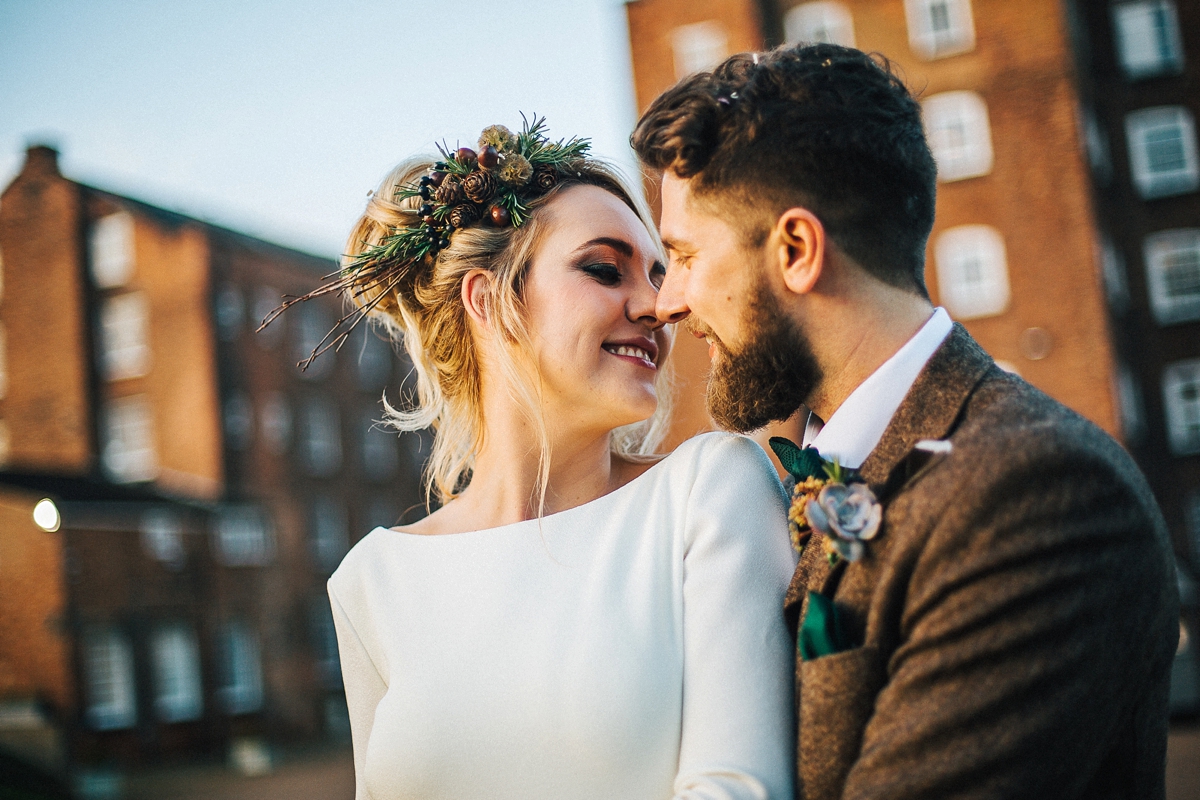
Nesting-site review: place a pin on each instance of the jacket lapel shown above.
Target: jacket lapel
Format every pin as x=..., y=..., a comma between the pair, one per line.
x=928, y=411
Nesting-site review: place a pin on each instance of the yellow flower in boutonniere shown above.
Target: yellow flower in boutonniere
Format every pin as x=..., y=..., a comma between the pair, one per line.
x=828, y=498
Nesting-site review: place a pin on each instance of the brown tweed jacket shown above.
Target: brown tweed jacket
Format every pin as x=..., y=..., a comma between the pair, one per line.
x=1015, y=618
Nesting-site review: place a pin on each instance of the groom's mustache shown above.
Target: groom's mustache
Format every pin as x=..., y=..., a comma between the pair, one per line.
x=697, y=327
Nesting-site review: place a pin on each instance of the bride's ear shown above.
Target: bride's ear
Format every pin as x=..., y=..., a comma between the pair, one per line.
x=477, y=295
x=799, y=246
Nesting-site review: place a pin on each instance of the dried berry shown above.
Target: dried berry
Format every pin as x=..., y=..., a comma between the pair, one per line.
x=464, y=155
x=489, y=157
x=500, y=216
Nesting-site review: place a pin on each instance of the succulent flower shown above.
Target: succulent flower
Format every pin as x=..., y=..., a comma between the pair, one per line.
x=499, y=137
x=848, y=515
x=516, y=170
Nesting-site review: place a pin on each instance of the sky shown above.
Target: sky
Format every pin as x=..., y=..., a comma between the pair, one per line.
x=276, y=118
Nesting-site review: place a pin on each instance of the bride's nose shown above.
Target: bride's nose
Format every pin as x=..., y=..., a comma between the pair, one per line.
x=640, y=306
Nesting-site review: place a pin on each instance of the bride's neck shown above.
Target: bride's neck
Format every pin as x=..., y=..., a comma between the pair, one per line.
x=504, y=483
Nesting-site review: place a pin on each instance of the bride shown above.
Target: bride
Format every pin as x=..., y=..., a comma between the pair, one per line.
x=579, y=619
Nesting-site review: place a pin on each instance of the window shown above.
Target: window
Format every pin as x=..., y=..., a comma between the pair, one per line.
x=1181, y=395
x=379, y=454
x=1095, y=142
x=111, y=692
x=819, y=22
x=129, y=455
x=178, y=696
x=959, y=134
x=266, y=300
x=110, y=246
x=124, y=325
x=238, y=420
x=243, y=538
x=325, y=646
x=938, y=28
x=330, y=537
x=1173, y=274
x=1191, y=514
x=1129, y=397
x=321, y=439
x=1162, y=151
x=230, y=311
x=698, y=47
x=313, y=323
x=241, y=690
x=972, y=271
x=1116, y=283
x=1148, y=41
x=374, y=360
x=277, y=422
x=381, y=513
x=162, y=537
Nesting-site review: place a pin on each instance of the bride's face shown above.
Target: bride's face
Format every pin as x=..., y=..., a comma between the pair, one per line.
x=589, y=296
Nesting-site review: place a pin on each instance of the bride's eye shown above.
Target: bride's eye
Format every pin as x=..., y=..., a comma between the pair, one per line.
x=607, y=274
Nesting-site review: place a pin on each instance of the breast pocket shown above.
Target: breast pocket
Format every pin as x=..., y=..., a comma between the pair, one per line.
x=836, y=696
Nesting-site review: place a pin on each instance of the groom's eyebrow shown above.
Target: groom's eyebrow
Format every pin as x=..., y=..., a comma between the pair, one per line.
x=620, y=245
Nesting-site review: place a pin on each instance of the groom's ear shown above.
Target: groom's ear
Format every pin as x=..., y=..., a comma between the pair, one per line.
x=799, y=246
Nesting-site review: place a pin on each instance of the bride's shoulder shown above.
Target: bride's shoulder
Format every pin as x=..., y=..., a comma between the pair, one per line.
x=722, y=449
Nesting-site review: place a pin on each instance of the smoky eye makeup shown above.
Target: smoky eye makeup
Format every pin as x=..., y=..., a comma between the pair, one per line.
x=607, y=273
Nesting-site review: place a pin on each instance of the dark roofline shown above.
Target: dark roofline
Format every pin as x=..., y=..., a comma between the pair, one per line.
x=75, y=488
x=321, y=265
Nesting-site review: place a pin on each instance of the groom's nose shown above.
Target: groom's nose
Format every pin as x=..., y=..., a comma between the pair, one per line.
x=671, y=305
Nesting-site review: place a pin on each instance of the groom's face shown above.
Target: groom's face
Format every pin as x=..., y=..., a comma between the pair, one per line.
x=762, y=363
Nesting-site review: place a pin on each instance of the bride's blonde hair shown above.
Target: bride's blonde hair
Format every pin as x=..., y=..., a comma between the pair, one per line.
x=426, y=314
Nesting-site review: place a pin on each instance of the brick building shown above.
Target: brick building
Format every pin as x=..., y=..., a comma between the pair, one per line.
x=206, y=487
x=1068, y=216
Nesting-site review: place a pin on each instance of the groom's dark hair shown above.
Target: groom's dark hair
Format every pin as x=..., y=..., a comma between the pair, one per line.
x=828, y=128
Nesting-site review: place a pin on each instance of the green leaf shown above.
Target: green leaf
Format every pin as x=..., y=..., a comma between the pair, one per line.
x=801, y=463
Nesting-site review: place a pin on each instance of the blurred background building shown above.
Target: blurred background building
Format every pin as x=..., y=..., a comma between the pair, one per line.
x=1067, y=238
x=169, y=602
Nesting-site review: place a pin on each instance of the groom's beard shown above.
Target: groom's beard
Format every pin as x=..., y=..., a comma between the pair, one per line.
x=768, y=378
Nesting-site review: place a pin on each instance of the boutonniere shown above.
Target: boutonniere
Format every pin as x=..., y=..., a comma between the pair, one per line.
x=829, y=498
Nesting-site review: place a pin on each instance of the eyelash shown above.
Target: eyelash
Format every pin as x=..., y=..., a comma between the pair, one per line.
x=608, y=274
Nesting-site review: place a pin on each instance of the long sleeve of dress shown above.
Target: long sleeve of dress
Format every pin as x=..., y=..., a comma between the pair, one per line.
x=738, y=735
x=363, y=691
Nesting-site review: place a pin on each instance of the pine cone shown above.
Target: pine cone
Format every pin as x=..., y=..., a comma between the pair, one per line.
x=463, y=215
x=479, y=186
x=545, y=178
x=450, y=193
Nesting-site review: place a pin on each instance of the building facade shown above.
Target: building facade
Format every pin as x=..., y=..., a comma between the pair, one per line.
x=1067, y=238
x=207, y=487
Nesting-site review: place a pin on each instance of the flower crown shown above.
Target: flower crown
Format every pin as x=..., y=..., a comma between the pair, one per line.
x=491, y=186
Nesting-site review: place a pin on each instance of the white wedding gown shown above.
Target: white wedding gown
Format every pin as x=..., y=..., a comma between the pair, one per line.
x=632, y=648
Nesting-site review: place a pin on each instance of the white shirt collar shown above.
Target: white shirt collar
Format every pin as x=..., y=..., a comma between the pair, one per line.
x=856, y=427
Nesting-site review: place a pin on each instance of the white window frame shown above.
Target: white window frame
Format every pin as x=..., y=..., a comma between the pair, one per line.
x=230, y=312
x=1130, y=405
x=111, y=250
x=241, y=690
x=237, y=420
x=129, y=452
x=162, y=537
x=930, y=41
x=960, y=134
x=275, y=422
x=330, y=532
x=698, y=47
x=1149, y=122
x=821, y=21
x=266, y=300
x=243, y=536
x=1132, y=23
x=321, y=438
x=380, y=456
x=178, y=690
x=1183, y=413
x=1159, y=250
x=972, y=271
x=313, y=322
x=125, y=336
x=373, y=364
x=1114, y=274
x=111, y=683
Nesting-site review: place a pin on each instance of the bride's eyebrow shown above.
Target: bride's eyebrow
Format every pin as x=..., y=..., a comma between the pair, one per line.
x=620, y=245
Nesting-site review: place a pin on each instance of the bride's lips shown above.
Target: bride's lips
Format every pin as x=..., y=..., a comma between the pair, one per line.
x=639, y=350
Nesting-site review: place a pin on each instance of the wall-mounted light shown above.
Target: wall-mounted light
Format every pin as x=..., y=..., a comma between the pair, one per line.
x=46, y=516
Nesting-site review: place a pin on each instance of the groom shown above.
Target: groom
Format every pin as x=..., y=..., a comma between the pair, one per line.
x=1008, y=631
